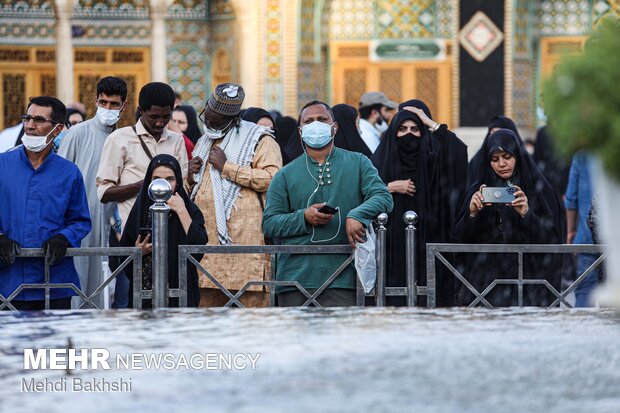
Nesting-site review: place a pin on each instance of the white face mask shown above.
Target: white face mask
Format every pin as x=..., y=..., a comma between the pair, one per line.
x=217, y=133
x=108, y=117
x=36, y=143
x=382, y=127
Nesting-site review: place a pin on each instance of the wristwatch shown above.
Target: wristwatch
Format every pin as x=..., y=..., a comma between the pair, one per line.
x=434, y=127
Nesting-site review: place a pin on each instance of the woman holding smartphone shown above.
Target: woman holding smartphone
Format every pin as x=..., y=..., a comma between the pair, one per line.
x=185, y=227
x=529, y=212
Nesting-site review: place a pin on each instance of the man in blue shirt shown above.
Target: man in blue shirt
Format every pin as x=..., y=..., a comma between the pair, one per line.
x=44, y=205
x=579, y=193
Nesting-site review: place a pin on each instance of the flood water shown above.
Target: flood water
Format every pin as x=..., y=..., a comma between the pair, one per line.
x=345, y=360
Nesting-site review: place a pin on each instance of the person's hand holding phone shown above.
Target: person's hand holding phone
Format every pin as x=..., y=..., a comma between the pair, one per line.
x=476, y=204
x=316, y=218
x=520, y=204
x=143, y=242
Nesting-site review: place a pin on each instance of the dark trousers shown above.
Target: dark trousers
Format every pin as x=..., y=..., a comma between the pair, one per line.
x=331, y=297
x=38, y=305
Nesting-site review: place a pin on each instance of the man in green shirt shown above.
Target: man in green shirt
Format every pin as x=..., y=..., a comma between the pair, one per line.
x=323, y=175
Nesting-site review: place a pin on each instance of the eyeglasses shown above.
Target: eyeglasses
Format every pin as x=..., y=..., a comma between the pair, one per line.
x=38, y=120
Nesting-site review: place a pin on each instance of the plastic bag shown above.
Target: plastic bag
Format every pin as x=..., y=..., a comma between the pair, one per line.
x=365, y=261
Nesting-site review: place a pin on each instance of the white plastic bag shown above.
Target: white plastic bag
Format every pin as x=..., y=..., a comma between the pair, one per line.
x=365, y=261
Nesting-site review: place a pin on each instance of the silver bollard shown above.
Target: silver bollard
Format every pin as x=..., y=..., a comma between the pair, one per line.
x=160, y=191
x=380, y=246
x=410, y=219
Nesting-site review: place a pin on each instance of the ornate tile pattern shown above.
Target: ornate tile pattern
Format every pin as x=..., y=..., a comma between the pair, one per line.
x=187, y=72
x=523, y=93
x=32, y=8
x=125, y=33
x=351, y=20
x=306, y=31
x=28, y=31
x=120, y=9
x=522, y=28
x=405, y=19
x=601, y=8
x=445, y=17
x=273, y=57
x=480, y=36
x=564, y=17
x=311, y=83
x=219, y=7
x=188, y=9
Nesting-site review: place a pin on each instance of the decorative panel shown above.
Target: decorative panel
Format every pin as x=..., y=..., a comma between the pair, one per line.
x=46, y=56
x=306, y=30
x=405, y=19
x=122, y=56
x=48, y=85
x=220, y=7
x=445, y=16
x=311, y=83
x=87, y=91
x=353, y=51
x=522, y=23
x=564, y=17
x=30, y=9
x=187, y=73
x=390, y=83
x=13, y=97
x=118, y=33
x=90, y=56
x=601, y=8
x=120, y=9
x=427, y=87
x=27, y=31
x=522, y=94
x=354, y=86
x=14, y=55
x=128, y=116
x=351, y=20
x=188, y=9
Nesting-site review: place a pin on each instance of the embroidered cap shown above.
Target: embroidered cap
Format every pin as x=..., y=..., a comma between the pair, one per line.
x=226, y=99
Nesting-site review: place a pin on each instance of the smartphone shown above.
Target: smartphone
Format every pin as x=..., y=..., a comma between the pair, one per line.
x=498, y=194
x=144, y=232
x=326, y=209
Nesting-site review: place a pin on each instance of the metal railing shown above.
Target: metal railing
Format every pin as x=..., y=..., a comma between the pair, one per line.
x=133, y=255
x=434, y=251
x=186, y=251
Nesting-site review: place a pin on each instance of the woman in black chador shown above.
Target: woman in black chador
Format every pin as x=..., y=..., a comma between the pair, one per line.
x=411, y=161
x=186, y=226
x=534, y=217
x=348, y=137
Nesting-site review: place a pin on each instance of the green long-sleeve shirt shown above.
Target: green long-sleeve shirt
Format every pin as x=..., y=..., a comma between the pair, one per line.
x=351, y=183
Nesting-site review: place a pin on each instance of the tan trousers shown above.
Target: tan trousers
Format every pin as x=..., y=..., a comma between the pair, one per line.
x=214, y=297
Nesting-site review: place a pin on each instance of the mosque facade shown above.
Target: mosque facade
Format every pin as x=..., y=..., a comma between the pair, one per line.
x=468, y=60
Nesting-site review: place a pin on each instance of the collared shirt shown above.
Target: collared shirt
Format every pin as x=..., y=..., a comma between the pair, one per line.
x=579, y=192
x=36, y=205
x=124, y=160
x=370, y=135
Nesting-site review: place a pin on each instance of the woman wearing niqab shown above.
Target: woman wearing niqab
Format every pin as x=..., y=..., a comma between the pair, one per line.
x=408, y=164
x=535, y=217
x=195, y=234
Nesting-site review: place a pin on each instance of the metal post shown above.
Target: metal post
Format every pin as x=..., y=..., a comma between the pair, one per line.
x=382, y=220
x=160, y=191
x=410, y=219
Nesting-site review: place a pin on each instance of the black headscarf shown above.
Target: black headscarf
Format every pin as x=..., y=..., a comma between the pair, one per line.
x=544, y=224
x=501, y=122
x=293, y=148
x=253, y=114
x=286, y=126
x=193, y=130
x=416, y=103
x=348, y=137
x=418, y=165
x=552, y=166
x=139, y=217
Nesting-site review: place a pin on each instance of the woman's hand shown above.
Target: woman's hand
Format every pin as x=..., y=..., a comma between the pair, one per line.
x=520, y=204
x=147, y=247
x=405, y=187
x=477, y=202
x=176, y=204
x=425, y=119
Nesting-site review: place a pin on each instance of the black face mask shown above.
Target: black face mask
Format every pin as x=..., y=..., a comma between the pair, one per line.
x=408, y=143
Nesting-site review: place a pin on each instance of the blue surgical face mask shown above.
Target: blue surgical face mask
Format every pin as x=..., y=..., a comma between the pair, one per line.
x=317, y=134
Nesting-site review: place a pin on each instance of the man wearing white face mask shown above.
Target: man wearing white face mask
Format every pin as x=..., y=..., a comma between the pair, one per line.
x=43, y=206
x=345, y=181
x=375, y=112
x=233, y=164
x=83, y=145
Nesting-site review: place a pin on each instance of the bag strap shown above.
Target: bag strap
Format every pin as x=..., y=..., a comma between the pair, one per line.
x=146, y=149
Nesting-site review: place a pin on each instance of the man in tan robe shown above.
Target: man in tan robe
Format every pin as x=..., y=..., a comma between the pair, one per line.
x=233, y=164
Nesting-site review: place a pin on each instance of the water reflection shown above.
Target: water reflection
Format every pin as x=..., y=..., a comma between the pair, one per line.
x=332, y=360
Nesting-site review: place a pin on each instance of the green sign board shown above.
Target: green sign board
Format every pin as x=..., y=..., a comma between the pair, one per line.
x=407, y=50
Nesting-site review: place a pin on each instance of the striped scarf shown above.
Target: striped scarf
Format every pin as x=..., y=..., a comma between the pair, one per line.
x=238, y=145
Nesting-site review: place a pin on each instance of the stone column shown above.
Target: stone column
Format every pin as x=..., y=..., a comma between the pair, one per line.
x=64, y=50
x=159, y=61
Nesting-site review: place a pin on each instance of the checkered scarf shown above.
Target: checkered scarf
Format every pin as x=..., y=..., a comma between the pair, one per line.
x=238, y=145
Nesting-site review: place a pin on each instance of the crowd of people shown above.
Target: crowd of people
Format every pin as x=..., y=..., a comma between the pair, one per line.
x=250, y=176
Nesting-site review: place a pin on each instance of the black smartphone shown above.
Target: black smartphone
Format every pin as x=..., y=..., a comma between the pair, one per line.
x=144, y=232
x=326, y=209
x=498, y=195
